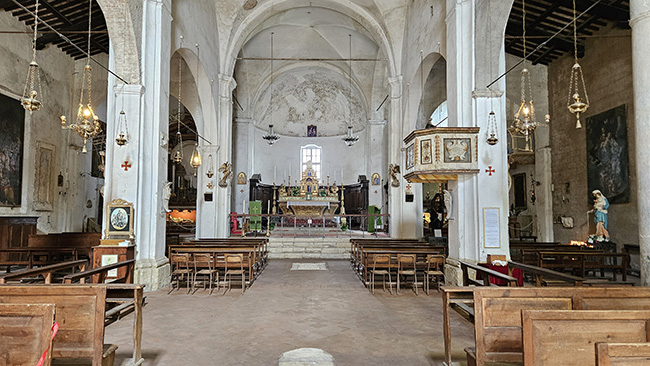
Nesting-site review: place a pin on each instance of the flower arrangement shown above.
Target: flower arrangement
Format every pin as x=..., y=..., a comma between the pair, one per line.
x=593, y=238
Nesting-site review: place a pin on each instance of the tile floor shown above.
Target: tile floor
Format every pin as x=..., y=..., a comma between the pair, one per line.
x=285, y=310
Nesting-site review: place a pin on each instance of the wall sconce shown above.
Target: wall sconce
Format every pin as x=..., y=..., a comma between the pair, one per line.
x=210, y=172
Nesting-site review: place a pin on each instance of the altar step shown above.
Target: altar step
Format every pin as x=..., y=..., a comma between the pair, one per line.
x=304, y=248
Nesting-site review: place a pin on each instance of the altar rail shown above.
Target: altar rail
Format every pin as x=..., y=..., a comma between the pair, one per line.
x=281, y=225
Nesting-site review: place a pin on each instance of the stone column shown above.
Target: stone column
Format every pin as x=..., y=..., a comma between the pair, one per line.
x=640, y=23
x=137, y=171
x=223, y=195
x=376, y=163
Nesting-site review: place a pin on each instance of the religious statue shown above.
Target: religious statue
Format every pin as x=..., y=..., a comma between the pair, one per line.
x=448, y=203
x=167, y=194
x=393, y=170
x=225, y=169
x=601, y=204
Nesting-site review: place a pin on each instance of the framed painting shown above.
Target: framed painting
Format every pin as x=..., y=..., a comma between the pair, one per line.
x=241, y=178
x=12, y=125
x=607, y=155
x=410, y=156
x=119, y=216
x=44, y=179
x=375, y=179
x=312, y=131
x=457, y=150
x=425, y=151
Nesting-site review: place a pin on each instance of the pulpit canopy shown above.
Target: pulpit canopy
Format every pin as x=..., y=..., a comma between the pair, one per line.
x=440, y=154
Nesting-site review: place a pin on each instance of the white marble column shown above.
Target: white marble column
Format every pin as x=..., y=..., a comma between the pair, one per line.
x=225, y=113
x=137, y=171
x=640, y=23
x=376, y=162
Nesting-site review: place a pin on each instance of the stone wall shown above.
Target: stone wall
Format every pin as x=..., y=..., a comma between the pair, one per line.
x=607, y=68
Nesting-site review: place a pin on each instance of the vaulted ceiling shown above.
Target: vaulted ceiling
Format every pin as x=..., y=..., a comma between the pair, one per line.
x=543, y=19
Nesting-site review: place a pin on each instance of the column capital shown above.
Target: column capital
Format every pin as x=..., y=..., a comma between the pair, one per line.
x=377, y=122
x=243, y=120
x=129, y=89
x=226, y=85
x=639, y=10
x=395, y=86
x=487, y=93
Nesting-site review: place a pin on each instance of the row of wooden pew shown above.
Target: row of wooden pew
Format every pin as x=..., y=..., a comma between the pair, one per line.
x=80, y=303
x=252, y=251
x=555, y=326
x=44, y=249
x=364, y=255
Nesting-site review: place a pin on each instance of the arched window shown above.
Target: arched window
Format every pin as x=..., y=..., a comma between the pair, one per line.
x=439, y=116
x=311, y=153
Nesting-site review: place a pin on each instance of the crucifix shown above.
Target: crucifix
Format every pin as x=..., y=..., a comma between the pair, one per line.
x=489, y=170
x=126, y=165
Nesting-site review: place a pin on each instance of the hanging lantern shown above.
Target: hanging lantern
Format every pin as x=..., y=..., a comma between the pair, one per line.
x=575, y=104
x=492, y=129
x=195, y=159
x=30, y=94
x=210, y=172
x=122, y=139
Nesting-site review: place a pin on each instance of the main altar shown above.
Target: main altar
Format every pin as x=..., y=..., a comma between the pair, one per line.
x=309, y=199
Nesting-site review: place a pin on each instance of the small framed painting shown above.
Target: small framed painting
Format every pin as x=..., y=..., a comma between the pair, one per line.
x=312, y=131
x=375, y=179
x=425, y=151
x=119, y=214
x=410, y=156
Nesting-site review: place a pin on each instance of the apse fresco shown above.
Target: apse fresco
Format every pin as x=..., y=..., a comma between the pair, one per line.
x=12, y=127
x=607, y=155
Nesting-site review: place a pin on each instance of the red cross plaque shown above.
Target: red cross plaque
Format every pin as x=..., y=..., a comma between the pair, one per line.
x=489, y=170
x=126, y=166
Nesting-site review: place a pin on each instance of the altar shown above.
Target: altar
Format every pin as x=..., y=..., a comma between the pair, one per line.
x=309, y=199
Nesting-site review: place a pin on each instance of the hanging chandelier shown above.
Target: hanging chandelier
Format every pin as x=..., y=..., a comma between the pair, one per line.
x=177, y=157
x=123, y=132
x=87, y=123
x=350, y=139
x=271, y=138
x=33, y=81
x=195, y=159
x=525, y=122
x=492, y=130
x=575, y=103
x=210, y=172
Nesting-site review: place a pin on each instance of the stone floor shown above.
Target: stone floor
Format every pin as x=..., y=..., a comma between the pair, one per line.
x=285, y=310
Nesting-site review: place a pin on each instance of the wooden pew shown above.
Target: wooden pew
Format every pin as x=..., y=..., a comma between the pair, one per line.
x=497, y=318
x=79, y=312
x=539, y=274
x=45, y=271
x=99, y=274
x=25, y=333
x=583, y=261
x=30, y=257
x=622, y=354
x=83, y=242
x=567, y=337
x=483, y=275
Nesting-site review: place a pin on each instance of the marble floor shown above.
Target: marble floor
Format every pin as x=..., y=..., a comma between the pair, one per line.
x=288, y=309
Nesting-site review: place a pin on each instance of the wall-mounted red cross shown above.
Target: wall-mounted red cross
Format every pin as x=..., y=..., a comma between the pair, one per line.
x=126, y=166
x=489, y=170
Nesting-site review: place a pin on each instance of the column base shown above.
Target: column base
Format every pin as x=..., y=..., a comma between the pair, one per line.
x=453, y=273
x=154, y=273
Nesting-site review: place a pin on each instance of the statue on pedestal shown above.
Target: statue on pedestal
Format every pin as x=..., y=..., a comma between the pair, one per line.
x=601, y=204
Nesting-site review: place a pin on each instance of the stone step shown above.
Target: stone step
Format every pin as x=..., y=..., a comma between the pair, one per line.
x=328, y=248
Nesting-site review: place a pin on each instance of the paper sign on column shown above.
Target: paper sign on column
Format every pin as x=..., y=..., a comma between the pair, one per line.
x=491, y=227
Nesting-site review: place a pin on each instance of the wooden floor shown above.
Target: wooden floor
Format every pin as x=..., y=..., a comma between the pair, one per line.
x=286, y=310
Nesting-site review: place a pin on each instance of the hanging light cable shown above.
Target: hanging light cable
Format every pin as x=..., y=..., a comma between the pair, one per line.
x=195, y=159
x=178, y=155
x=492, y=117
x=33, y=81
x=575, y=103
x=271, y=138
x=87, y=123
x=349, y=138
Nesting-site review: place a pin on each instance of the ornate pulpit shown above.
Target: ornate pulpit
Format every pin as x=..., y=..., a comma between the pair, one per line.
x=440, y=154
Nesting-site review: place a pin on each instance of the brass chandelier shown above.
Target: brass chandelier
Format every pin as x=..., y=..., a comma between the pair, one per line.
x=575, y=103
x=33, y=81
x=350, y=139
x=178, y=155
x=271, y=137
x=87, y=123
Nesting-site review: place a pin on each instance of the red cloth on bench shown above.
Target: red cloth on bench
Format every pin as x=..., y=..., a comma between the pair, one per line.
x=516, y=273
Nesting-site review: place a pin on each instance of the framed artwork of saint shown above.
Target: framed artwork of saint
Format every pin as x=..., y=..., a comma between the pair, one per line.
x=312, y=131
x=119, y=215
x=241, y=178
x=410, y=156
x=375, y=179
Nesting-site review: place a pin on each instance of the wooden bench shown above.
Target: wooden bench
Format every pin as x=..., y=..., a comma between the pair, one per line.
x=568, y=337
x=622, y=354
x=79, y=312
x=99, y=274
x=30, y=257
x=483, y=275
x=25, y=333
x=45, y=271
x=497, y=314
x=583, y=261
x=540, y=273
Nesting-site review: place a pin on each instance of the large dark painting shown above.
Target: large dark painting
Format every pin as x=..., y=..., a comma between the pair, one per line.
x=607, y=155
x=12, y=131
